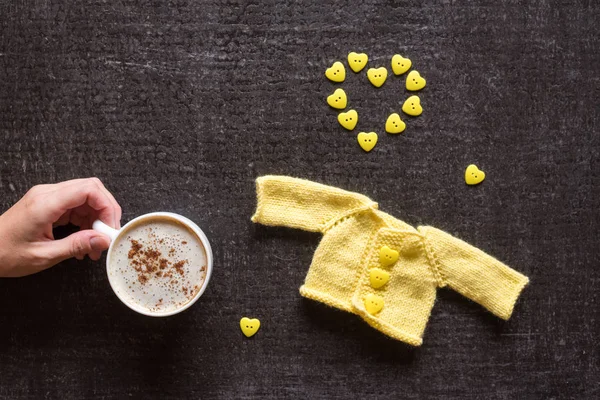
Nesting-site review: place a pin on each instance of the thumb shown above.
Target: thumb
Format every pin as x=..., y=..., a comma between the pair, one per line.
x=78, y=245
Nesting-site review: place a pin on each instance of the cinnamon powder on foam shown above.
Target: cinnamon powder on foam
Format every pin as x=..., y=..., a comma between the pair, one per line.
x=148, y=262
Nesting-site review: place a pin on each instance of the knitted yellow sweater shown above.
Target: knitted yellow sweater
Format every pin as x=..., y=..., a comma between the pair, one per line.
x=373, y=265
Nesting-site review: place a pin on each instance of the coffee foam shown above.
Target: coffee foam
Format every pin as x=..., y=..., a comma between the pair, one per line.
x=157, y=264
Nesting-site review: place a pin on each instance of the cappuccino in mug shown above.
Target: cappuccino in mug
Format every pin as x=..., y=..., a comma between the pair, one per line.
x=158, y=264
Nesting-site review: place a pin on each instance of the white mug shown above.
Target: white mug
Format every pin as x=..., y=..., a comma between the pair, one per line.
x=114, y=236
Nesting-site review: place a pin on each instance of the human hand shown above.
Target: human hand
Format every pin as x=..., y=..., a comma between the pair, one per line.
x=27, y=244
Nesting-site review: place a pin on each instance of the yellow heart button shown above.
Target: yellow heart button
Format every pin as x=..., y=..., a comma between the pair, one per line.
x=357, y=61
x=377, y=76
x=373, y=303
x=414, y=81
x=348, y=119
x=378, y=277
x=388, y=256
x=249, y=326
x=412, y=106
x=400, y=64
x=474, y=175
x=338, y=99
x=367, y=140
x=394, y=124
x=336, y=73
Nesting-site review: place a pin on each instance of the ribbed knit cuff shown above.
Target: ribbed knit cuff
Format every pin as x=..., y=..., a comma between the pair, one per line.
x=259, y=200
x=513, y=289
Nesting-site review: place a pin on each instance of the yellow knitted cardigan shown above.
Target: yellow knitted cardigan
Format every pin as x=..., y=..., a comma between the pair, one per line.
x=352, y=260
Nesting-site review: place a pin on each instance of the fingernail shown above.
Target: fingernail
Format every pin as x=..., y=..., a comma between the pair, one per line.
x=98, y=243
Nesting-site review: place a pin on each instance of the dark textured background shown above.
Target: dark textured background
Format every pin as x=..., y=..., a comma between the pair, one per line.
x=180, y=105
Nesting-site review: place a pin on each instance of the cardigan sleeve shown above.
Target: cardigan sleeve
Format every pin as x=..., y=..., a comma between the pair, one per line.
x=473, y=273
x=302, y=204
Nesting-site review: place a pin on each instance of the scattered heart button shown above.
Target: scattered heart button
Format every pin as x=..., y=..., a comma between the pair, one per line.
x=378, y=277
x=336, y=73
x=474, y=175
x=388, y=256
x=367, y=140
x=412, y=106
x=338, y=99
x=414, y=81
x=394, y=124
x=348, y=119
x=373, y=303
x=357, y=61
x=400, y=64
x=249, y=326
x=377, y=76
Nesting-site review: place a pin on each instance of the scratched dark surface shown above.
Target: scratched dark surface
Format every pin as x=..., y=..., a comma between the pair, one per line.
x=180, y=105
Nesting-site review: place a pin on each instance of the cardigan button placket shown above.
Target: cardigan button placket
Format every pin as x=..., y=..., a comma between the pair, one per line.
x=379, y=277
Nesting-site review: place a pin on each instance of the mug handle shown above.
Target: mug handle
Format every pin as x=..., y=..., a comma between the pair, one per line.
x=101, y=227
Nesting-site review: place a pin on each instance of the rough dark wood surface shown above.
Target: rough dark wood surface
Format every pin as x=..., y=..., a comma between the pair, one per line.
x=180, y=105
